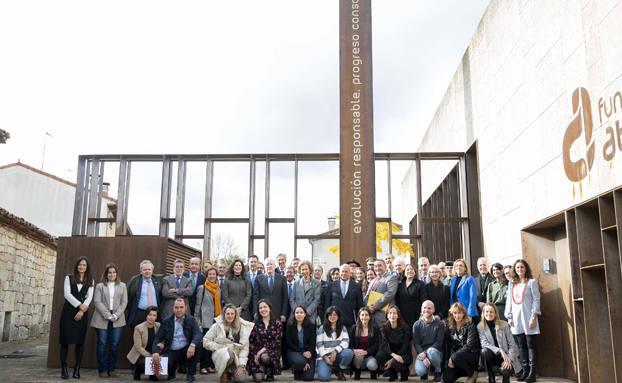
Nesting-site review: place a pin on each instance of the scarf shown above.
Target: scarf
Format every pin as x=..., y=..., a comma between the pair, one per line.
x=212, y=287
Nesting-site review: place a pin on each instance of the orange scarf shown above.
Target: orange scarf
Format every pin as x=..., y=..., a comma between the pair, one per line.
x=212, y=287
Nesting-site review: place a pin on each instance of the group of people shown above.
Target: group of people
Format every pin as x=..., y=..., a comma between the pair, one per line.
x=238, y=321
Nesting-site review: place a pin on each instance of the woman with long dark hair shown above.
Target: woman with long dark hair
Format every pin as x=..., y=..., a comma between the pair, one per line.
x=332, y=275
x=237, y=289
x=394, y=354
x=409, y=296
x=78, y=292
x=144, y=334
x=332, y=346
x=110, y=300
x=300, y=339
x=462, y=346
x=522, y=310
x=364, y=342
x=498, y=290
x=264, y=357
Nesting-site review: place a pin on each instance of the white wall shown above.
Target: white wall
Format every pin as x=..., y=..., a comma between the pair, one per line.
x=512, y=94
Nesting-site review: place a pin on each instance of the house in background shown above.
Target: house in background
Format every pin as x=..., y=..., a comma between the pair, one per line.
x=46, y=200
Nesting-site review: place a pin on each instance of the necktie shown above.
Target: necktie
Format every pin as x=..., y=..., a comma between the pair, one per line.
x=177, y=282
x=343, y=289
x=220, y=282
x=289, y=289
x=375, y=285
x=253, y=275
x=270, y=283
x=194, y=281
x=149, y=293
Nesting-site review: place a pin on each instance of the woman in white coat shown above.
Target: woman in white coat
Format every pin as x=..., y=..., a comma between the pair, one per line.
x=522, y=310
x=228, y=341
x=498, y=348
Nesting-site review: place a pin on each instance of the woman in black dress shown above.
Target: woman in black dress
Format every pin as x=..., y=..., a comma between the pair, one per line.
x=408, y=296
x=78, y=292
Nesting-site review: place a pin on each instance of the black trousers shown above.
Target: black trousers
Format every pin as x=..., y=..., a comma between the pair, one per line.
x=177, y=357
x=205, y=356
x=465, y=363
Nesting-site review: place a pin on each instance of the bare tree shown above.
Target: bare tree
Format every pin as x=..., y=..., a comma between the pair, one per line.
x=223, y=246
x=4, y=135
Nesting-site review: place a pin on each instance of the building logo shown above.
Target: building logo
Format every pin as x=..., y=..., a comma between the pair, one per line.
x=580, y=125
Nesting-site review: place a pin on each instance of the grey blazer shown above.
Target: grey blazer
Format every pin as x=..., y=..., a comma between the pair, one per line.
x=168, y=298
x=101, y=299
x=387, y=285
x=204, y=308
x=309, y=298
x=504, y=339
x=238, y=291
x=520, y=311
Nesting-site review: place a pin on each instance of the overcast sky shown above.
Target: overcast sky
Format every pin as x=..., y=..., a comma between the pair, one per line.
x=214, y=77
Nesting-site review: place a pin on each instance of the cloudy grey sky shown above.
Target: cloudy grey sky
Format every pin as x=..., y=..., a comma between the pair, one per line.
x=213, y=76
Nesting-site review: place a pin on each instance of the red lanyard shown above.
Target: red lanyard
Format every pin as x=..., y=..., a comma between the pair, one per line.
x=522, y=295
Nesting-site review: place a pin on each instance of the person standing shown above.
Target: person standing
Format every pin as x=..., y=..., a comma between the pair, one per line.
x=221, y=267
x=437, y=292
x=264, y=357
x=144, y=334
x=253, y=271
x=281, y=260
x=395, y=353
x=428, y=337
x=110, y=300
x=290, y=279
x=497, y=292
x=307, y=292
x=273, y=287
x=346, y=295
x=522, y=310
x=463, y=289
x=143, y=290
x=408, y=296
x=207, y=308
x=237, y=289
x=482, y=280
x=423, y=264
x=196, y=279
x=177, y=339
x=385, y=284
x=78, y=293
x=175, y=286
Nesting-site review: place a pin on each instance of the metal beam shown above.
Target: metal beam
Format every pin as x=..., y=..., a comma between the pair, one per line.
x=207, y=226
x=419, y=243
x=94, y=197
x=165, y=195
x=267, y=211
x=466, y=243
x=180, y=199
x=251, y=209
x=121, y=198
x=77, y=226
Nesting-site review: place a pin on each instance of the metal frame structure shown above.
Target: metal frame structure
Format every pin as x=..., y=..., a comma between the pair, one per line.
x=90, y=178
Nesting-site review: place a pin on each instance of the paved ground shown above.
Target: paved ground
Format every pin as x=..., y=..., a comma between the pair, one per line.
x=25, y=362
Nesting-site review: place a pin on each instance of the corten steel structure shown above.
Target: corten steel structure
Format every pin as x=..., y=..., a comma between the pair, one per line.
x=91, y=175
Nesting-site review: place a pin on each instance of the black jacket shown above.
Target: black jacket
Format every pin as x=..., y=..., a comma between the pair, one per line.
x=482, y=286
x=439, y=295
x=373, y=343
x=291, y=338
x=134, y=287
x=192, y=331
x=467, y=340
x=408, y=299
x=193, y=298
x=349, y=306
x=277, y=296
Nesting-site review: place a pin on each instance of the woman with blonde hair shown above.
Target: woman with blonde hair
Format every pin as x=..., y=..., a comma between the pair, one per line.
x=498, y=348
x=463, y=288
x=228, y=340
x=462, y=345
x=307, y=291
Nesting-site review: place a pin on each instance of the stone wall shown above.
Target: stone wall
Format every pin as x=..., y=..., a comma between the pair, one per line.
x=27, y=265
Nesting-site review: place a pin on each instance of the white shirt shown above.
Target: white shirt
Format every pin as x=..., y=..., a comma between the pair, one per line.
x=111, y=294
x=73, y=300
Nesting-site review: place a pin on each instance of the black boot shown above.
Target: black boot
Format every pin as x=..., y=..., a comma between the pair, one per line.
x=373, y=375
x=64, y=373
x=357, y=374
x=531, y=377
x=76, y=371
x=392, y=375
x=506, y=376
x=137, y=373
x=404, y=375
x=491, y=376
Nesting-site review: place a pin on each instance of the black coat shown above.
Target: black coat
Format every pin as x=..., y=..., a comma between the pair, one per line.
x=373, y=342
x=396, y=341
x=192, y=300
x=349, y=306
x=192, y=331
x=134, y=287
x=465, y=340
x=277, y=297
x=482, y=286
x=291, y=338
x=409, y=299
x=439, y=295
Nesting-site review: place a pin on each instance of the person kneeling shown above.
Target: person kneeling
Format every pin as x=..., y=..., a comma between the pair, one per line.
x=300, y=338
x=332, y=346
x=463, y=346
x=177, y=339
x=498, y=348
x=228, y=339
x=264, y=358
x=394, y=353
x=365, y=341
x=428, y=335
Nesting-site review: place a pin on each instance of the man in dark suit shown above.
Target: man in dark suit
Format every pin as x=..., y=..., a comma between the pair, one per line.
x=482, y=280
x=143, y=290
x=196, y=279
x=175, y=286
x=345, y=294
x=281, y=261
x=178, y=339
x=273, y=287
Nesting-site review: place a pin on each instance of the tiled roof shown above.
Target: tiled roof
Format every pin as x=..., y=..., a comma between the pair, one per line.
x=26, y=228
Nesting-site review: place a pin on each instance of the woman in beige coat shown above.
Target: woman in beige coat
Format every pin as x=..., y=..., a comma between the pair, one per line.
x=110, y=300
x=228, y=341
x=144, y=334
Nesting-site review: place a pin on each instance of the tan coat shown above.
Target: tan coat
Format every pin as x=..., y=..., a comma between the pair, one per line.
x=216, y=341
x=101, y=301
x=141, y=337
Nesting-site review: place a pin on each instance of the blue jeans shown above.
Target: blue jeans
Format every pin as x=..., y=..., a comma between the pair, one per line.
x=435, y=356
x=111, y=338
x=343, y=360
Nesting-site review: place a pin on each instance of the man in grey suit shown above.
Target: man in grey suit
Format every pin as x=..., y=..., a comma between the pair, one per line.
x=175, y=286
x=385, y=283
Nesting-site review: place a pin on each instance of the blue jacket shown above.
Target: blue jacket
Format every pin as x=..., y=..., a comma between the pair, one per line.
x=466, y=293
